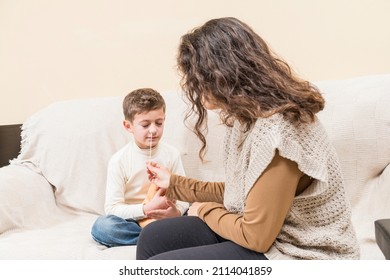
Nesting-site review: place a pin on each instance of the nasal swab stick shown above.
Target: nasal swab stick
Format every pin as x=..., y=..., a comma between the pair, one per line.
x=150, y=147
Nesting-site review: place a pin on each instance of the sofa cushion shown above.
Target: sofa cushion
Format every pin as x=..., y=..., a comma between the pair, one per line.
x=178, y=133
x=70, y=144
x=26, y=200
x=357, y=118
x=69, y=239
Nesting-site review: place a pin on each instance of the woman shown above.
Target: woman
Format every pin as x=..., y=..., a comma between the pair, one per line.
x=283, y=197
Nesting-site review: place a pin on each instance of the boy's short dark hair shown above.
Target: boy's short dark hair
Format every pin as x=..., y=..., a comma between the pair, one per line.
x=140, y=101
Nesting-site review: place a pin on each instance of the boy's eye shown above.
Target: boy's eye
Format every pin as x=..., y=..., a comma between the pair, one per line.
x=144, y=124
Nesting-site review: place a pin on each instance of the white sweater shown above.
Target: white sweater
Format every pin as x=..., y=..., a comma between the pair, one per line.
x=127, y=181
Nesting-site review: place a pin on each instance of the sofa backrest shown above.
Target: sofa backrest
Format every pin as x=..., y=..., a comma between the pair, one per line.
x=357, y=118
x=70, y=142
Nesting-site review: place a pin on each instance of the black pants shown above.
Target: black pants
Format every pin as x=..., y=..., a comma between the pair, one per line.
x=188, y=238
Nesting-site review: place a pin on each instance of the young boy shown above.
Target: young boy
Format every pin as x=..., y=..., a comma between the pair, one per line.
x=129, y=194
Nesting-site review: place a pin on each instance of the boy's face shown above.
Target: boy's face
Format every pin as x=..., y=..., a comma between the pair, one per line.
x=147, y=128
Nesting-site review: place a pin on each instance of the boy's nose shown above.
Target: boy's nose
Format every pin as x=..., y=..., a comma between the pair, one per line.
x=152, y=130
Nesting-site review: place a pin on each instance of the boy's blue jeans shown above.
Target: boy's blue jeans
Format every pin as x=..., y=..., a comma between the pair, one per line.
x=114, y=231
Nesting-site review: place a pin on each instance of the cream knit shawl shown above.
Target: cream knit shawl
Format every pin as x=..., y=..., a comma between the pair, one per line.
x=318, y=225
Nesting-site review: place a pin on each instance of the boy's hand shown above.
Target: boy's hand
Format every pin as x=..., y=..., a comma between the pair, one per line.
x=159, y=201
x=169, y=212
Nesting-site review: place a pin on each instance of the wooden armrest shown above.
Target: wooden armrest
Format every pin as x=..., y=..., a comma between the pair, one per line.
x=382, y=236
x=9, y=142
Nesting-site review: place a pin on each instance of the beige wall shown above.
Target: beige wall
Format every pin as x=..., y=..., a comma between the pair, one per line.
x=62, y=49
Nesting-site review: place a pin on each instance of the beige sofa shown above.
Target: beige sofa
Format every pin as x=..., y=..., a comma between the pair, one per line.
x=54, y=190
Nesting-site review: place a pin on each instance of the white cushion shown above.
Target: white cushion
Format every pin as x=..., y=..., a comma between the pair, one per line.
x=178, y=134
x=26, y=200
x=69, y=239
x=70, y=143
x=357, y=118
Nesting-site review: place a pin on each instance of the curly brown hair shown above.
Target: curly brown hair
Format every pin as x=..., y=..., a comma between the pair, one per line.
x=226, y=63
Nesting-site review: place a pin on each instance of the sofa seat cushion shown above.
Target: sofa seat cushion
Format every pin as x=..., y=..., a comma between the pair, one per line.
x=66, y=240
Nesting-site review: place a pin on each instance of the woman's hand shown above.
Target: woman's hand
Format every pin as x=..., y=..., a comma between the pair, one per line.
x=158, y=174
x=193, y=210
x=159, y=201
x=170, y=212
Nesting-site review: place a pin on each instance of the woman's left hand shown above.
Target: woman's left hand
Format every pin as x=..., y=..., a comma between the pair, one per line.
x=170, y=212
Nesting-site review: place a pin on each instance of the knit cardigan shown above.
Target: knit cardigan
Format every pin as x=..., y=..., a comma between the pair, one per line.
x=318, y=225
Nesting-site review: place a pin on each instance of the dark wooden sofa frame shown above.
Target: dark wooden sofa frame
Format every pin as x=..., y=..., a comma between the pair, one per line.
x=9, y=142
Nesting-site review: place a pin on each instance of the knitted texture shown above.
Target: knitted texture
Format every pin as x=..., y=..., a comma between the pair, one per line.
x=318, y=225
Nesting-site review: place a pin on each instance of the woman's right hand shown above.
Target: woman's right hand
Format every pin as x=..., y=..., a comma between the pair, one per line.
x=158, y=174
x=193, y=209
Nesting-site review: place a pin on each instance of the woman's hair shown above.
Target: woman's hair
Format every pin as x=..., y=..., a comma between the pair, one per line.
x=227, y=64
x=140, y=101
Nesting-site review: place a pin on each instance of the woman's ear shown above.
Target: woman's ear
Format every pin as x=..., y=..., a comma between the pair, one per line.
x=128, y=126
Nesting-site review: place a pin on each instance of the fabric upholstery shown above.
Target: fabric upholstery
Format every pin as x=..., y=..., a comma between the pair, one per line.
x=53, y=192
x=70, y=143
x=26, y=199
x=357, y=118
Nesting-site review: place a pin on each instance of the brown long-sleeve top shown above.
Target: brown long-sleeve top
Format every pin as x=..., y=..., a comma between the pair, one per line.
x=267, y=204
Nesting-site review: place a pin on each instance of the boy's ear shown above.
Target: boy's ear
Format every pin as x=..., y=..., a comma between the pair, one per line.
x=128, y=126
